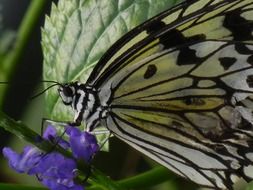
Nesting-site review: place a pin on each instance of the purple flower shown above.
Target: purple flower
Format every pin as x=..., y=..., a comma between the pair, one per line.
x=59, y=175
x=53, y=169
x=51, y=134
x=83, y=144
x=61, y=184
x=45, y=166
x=22, y=162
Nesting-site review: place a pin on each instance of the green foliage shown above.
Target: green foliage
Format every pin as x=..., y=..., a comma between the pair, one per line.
x=19, y=187
x=77, y=33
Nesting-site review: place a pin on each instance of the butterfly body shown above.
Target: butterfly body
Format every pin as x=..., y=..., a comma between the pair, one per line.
x=179, y=95
x=85, y=103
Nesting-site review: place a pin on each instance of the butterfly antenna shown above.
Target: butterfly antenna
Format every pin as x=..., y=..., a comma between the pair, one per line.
x=43, y=91
x=50, y=81
x=42, y=81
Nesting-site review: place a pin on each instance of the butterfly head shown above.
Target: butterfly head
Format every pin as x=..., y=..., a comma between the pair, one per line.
x=68, y=92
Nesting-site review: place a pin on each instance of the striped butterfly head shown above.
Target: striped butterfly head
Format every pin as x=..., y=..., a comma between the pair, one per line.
x=84, y=103
x=68, y=92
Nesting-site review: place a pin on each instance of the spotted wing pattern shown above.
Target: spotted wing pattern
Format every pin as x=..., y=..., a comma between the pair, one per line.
x=179, y=89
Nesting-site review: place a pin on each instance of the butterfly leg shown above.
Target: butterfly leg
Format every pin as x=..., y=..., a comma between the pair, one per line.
x=54, y=141
x=55, y=122
x=45, y=122
x=76, y=123
x=100, y=132
x=105, y=140
x=100, y=147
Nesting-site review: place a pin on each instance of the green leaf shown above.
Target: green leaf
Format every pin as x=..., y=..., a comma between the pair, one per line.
x=77, y=33
x=19, y=187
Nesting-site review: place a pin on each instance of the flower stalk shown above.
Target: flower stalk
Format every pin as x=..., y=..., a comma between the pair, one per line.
x=25, y=133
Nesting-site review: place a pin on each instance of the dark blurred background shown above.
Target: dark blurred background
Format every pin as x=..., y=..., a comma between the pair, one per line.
x=25, y=78
x=28, y=72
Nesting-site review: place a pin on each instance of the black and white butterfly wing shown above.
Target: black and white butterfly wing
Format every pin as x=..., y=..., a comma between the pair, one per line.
x=187, y=121
x=195, y=19
x=179, y=90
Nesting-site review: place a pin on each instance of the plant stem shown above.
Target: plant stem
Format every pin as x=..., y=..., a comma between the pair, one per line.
x=25, y=30
x=19, y=187
x=147, y=179
x=25, y=133
x=101, y=182
x=20, y=130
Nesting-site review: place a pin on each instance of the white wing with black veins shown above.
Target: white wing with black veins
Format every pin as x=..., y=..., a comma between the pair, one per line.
x=179, y=88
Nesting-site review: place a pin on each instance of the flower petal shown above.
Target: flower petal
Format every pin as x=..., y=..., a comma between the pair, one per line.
x=83, y=144
x=22, y=162
x=61, y=185
x=55, y=165
x=51, y=134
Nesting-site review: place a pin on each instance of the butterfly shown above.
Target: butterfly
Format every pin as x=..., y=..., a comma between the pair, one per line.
x=179, y=88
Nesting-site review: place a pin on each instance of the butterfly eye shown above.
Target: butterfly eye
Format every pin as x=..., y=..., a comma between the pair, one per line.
x=67, y=91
